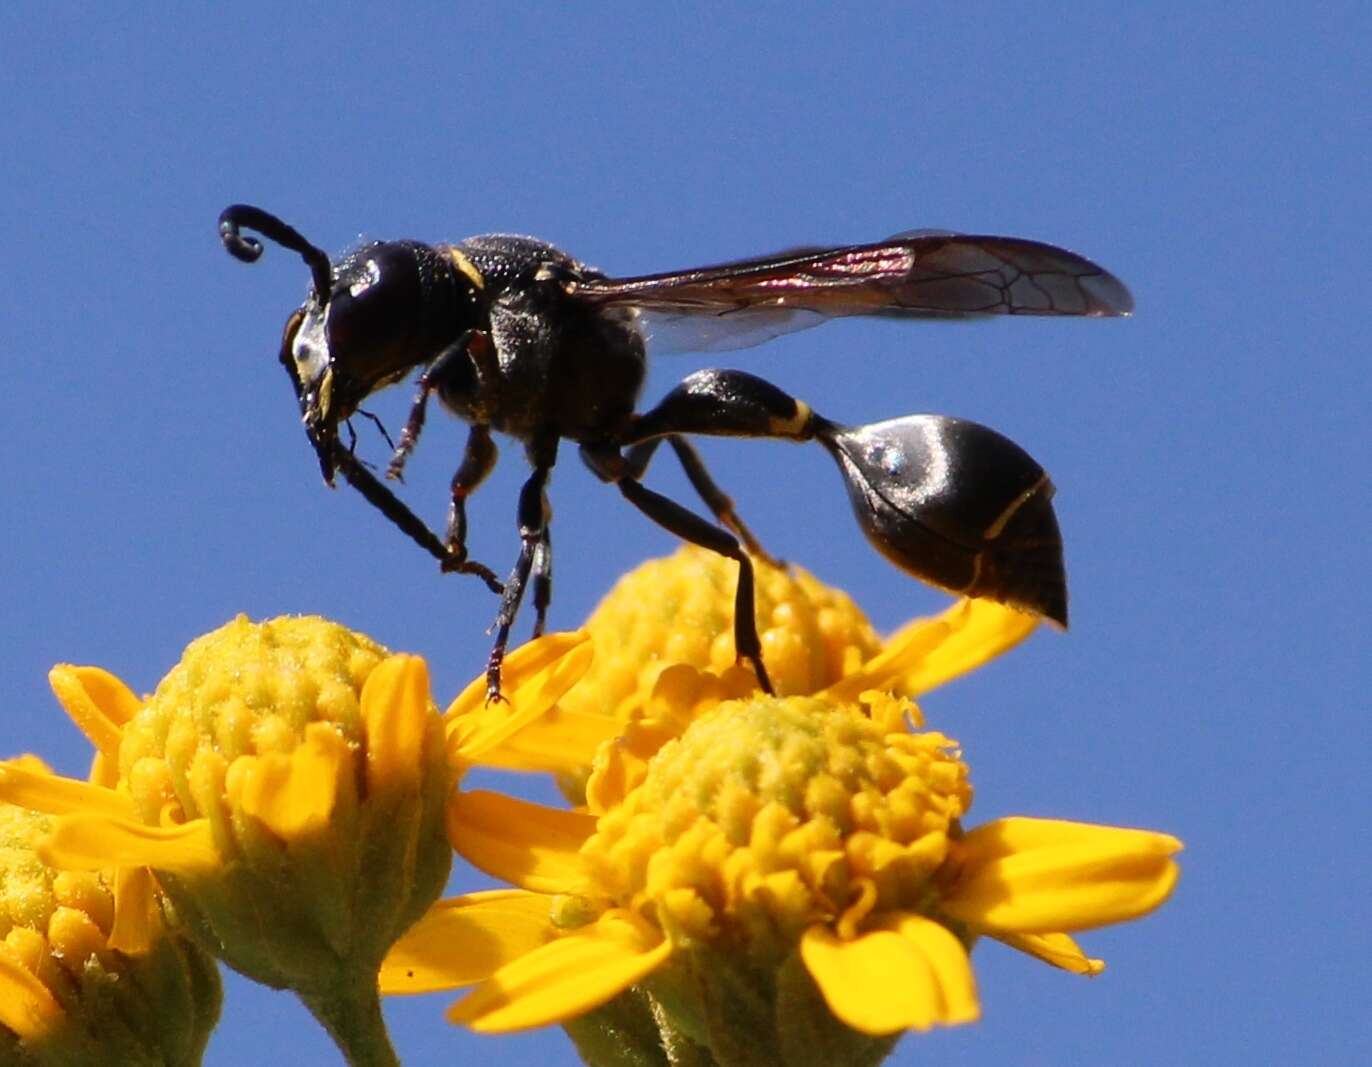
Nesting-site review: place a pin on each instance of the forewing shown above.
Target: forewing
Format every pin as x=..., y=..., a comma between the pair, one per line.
x=697, y=330
x=924, y=275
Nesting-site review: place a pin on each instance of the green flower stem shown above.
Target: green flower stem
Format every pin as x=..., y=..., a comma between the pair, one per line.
x=352, y=1016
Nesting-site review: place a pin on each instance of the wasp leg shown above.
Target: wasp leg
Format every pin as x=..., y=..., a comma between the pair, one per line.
x=688, y=526
x=352, y=437
x=380, y=426
x=719, y=502
x=394, y=509
x=477, y=462
x=409, y=435
x=542, y=580
x=534, y=547
x=607, y=463
x=637, y=458
x=453, y=358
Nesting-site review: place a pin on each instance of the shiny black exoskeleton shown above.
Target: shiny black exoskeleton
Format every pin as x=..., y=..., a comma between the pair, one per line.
x=515, y=336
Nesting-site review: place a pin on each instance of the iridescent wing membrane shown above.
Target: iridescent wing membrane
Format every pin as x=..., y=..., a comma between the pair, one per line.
x=917, y=275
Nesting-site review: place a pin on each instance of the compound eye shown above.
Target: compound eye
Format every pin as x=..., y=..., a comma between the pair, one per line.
x=375, y=304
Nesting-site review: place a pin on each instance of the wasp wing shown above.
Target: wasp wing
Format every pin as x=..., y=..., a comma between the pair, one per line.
x=724, y=331
x=919, y=275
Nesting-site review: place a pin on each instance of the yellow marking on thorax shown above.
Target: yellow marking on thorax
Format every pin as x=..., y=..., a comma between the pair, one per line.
x=466, y=266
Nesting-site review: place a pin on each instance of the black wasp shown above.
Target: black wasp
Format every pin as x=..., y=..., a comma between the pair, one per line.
x=516, y=336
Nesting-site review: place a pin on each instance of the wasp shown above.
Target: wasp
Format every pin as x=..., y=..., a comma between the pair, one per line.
x=514, y=336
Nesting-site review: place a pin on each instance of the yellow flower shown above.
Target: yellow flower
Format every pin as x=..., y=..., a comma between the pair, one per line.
x=677, y=612
x=89, y=972
x=780, y=855
x=287, y=783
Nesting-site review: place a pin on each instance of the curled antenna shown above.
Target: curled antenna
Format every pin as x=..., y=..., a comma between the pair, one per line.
x=236, y=216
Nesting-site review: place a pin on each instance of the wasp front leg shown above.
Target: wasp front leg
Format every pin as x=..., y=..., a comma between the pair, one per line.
x=455, y=359
x=411, y=524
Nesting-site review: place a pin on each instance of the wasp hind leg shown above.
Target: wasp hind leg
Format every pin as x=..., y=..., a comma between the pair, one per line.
x=719, y=502
x=609, y=465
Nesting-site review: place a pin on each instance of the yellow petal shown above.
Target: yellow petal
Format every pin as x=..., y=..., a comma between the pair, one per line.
x=899, y=657
x=527, y=845
x=619, y=768
x=27, y=1008
x=115, y=700
x=948, y=963
x=104, y=771
x=136, y=919
x=56, y=795
x=978, y=632
x=883, y=982
x=565, y=978
x=28, y=762
x=466, y=939
x=395, y=705
x=561, y=740
x=98, y=702
x=1021, y=833
x=92, y=842
x=528, y=695
x=521, y=665
x=292, y=794
x=1059, y=950
x=1042, y=876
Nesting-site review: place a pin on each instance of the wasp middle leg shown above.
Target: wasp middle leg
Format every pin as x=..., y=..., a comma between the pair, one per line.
x=535, y=558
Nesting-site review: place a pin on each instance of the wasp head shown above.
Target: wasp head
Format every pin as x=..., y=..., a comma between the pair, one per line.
x=305, y=355
x=381, y=310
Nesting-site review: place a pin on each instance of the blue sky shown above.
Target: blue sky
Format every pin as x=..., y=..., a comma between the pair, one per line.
x=1211, y=454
